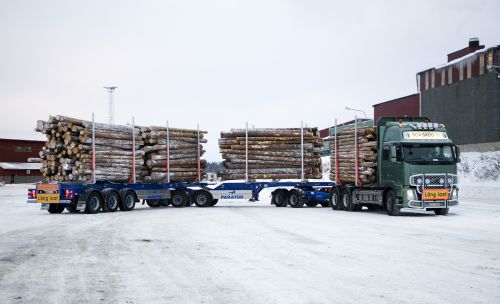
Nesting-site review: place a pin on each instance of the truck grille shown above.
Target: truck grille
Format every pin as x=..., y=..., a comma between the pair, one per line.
x=433, y=181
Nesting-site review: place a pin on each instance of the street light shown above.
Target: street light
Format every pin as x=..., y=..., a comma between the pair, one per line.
x=111, y=114
x=350, y=109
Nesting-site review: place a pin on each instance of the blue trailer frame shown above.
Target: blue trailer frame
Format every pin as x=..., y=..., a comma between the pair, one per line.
x=92, y=197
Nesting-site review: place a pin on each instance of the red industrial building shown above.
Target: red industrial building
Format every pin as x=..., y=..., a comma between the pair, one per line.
x=14, y=166
x=403, y=106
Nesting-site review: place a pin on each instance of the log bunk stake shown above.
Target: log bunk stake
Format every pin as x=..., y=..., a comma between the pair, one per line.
x=271, y=153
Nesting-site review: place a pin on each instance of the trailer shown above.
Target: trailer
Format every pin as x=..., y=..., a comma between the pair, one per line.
x=109, y=196
x=416, y=169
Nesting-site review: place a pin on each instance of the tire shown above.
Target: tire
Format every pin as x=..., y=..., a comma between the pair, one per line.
x=128, y=201
x=202, y=198
x=325, y=204
x=179, y=198
x=214, y=202
x=390, y=204
x=373, y=207
x=164, y=202
x=56, y=208
x=335, y=199
x=153, y=203
x=279, y=198
x=94, y=203
x=346, y=200
x=294, y=200
x=112, y=201
x=441, y=211
x=311, y=204
x=72, y=208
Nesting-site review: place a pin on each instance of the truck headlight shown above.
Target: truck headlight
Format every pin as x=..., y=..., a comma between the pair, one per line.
x=454, y=194
x=411, y=195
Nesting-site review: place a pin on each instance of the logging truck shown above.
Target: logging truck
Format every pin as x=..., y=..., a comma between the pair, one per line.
x=415, y=168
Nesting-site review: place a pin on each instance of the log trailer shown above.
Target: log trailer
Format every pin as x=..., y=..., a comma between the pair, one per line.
x=94, y=196
x=109, y=197
x=416, y=169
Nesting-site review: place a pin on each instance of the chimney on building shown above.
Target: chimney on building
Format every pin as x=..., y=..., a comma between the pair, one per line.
x=473, y=46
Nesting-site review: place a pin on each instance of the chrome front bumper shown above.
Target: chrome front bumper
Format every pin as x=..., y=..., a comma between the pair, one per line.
x=414, y=204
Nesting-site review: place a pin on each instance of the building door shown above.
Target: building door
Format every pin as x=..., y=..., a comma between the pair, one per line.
x=12, y=178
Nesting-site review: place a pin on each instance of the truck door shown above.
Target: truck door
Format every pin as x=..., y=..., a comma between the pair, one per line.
x=392, y=166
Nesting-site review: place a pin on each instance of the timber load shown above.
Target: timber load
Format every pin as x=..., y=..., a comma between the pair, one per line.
x=367, y=155
x=185, y=150
x=67, y=153
x=272, y=153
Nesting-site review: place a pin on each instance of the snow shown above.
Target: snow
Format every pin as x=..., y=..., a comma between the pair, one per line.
x=20, y=166
x=241, y=252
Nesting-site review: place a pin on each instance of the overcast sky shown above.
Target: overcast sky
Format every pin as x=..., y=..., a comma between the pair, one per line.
x=222, y=63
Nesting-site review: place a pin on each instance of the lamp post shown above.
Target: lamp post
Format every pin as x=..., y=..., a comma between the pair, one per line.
x=351, y=109
x=111, y=117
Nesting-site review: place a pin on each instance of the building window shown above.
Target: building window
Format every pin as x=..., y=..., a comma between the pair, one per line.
x=461, y=71
x=481, y=64
x=443, y=77
x=469, y=69
x=450, y=74
x=427, y=80
x=23, y=149
x=433, y=78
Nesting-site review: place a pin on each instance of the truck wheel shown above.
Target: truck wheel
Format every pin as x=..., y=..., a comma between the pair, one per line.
x=325, y=204
x=346, y=200
x=56, y=208
x=279, y=198
x=213, y=202
x=112, y=201
x=128, y=203
x=335, y=199
x=441, y=211
x=294, y=199
x=153, y=203
x=93, y=203
x=202, y=198
x=164, y=202
x=72, y=208
x=311, y=204
x=179, y=198
x=390, y=204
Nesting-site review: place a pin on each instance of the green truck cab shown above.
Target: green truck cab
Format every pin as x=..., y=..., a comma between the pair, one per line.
x=416, y=168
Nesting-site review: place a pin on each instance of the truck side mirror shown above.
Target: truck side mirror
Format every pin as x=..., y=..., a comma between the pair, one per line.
x=457, y=153
x=399, y=153
x=396, y=154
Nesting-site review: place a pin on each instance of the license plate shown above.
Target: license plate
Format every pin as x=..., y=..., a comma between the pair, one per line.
x=47, y=193
x=436, y=194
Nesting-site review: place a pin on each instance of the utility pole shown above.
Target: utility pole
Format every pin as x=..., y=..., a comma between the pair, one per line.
x=111, y=114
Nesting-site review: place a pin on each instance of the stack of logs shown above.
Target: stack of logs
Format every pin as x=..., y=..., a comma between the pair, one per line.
x=272, y=153
x=367, y=155
x=183, y=152
x=67, y=154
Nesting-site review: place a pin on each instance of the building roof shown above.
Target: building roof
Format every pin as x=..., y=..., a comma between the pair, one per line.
x=395, y=100
x=20, y=166
x=23, y=140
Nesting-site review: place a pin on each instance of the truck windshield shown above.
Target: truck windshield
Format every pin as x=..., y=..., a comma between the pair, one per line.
x=429, y=154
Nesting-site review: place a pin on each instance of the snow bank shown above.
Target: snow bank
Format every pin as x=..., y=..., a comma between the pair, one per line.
x=479, y=166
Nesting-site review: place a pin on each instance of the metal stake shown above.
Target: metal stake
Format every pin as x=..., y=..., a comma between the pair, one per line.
x=133, y=150
x=356, y=149
x=199, y=161
x=336, y=155
x=93, y=150
x=246, y=152
x=168, y=153
x=302, y=150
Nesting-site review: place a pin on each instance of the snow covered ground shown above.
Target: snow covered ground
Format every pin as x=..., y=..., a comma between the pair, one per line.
x=240, y=252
